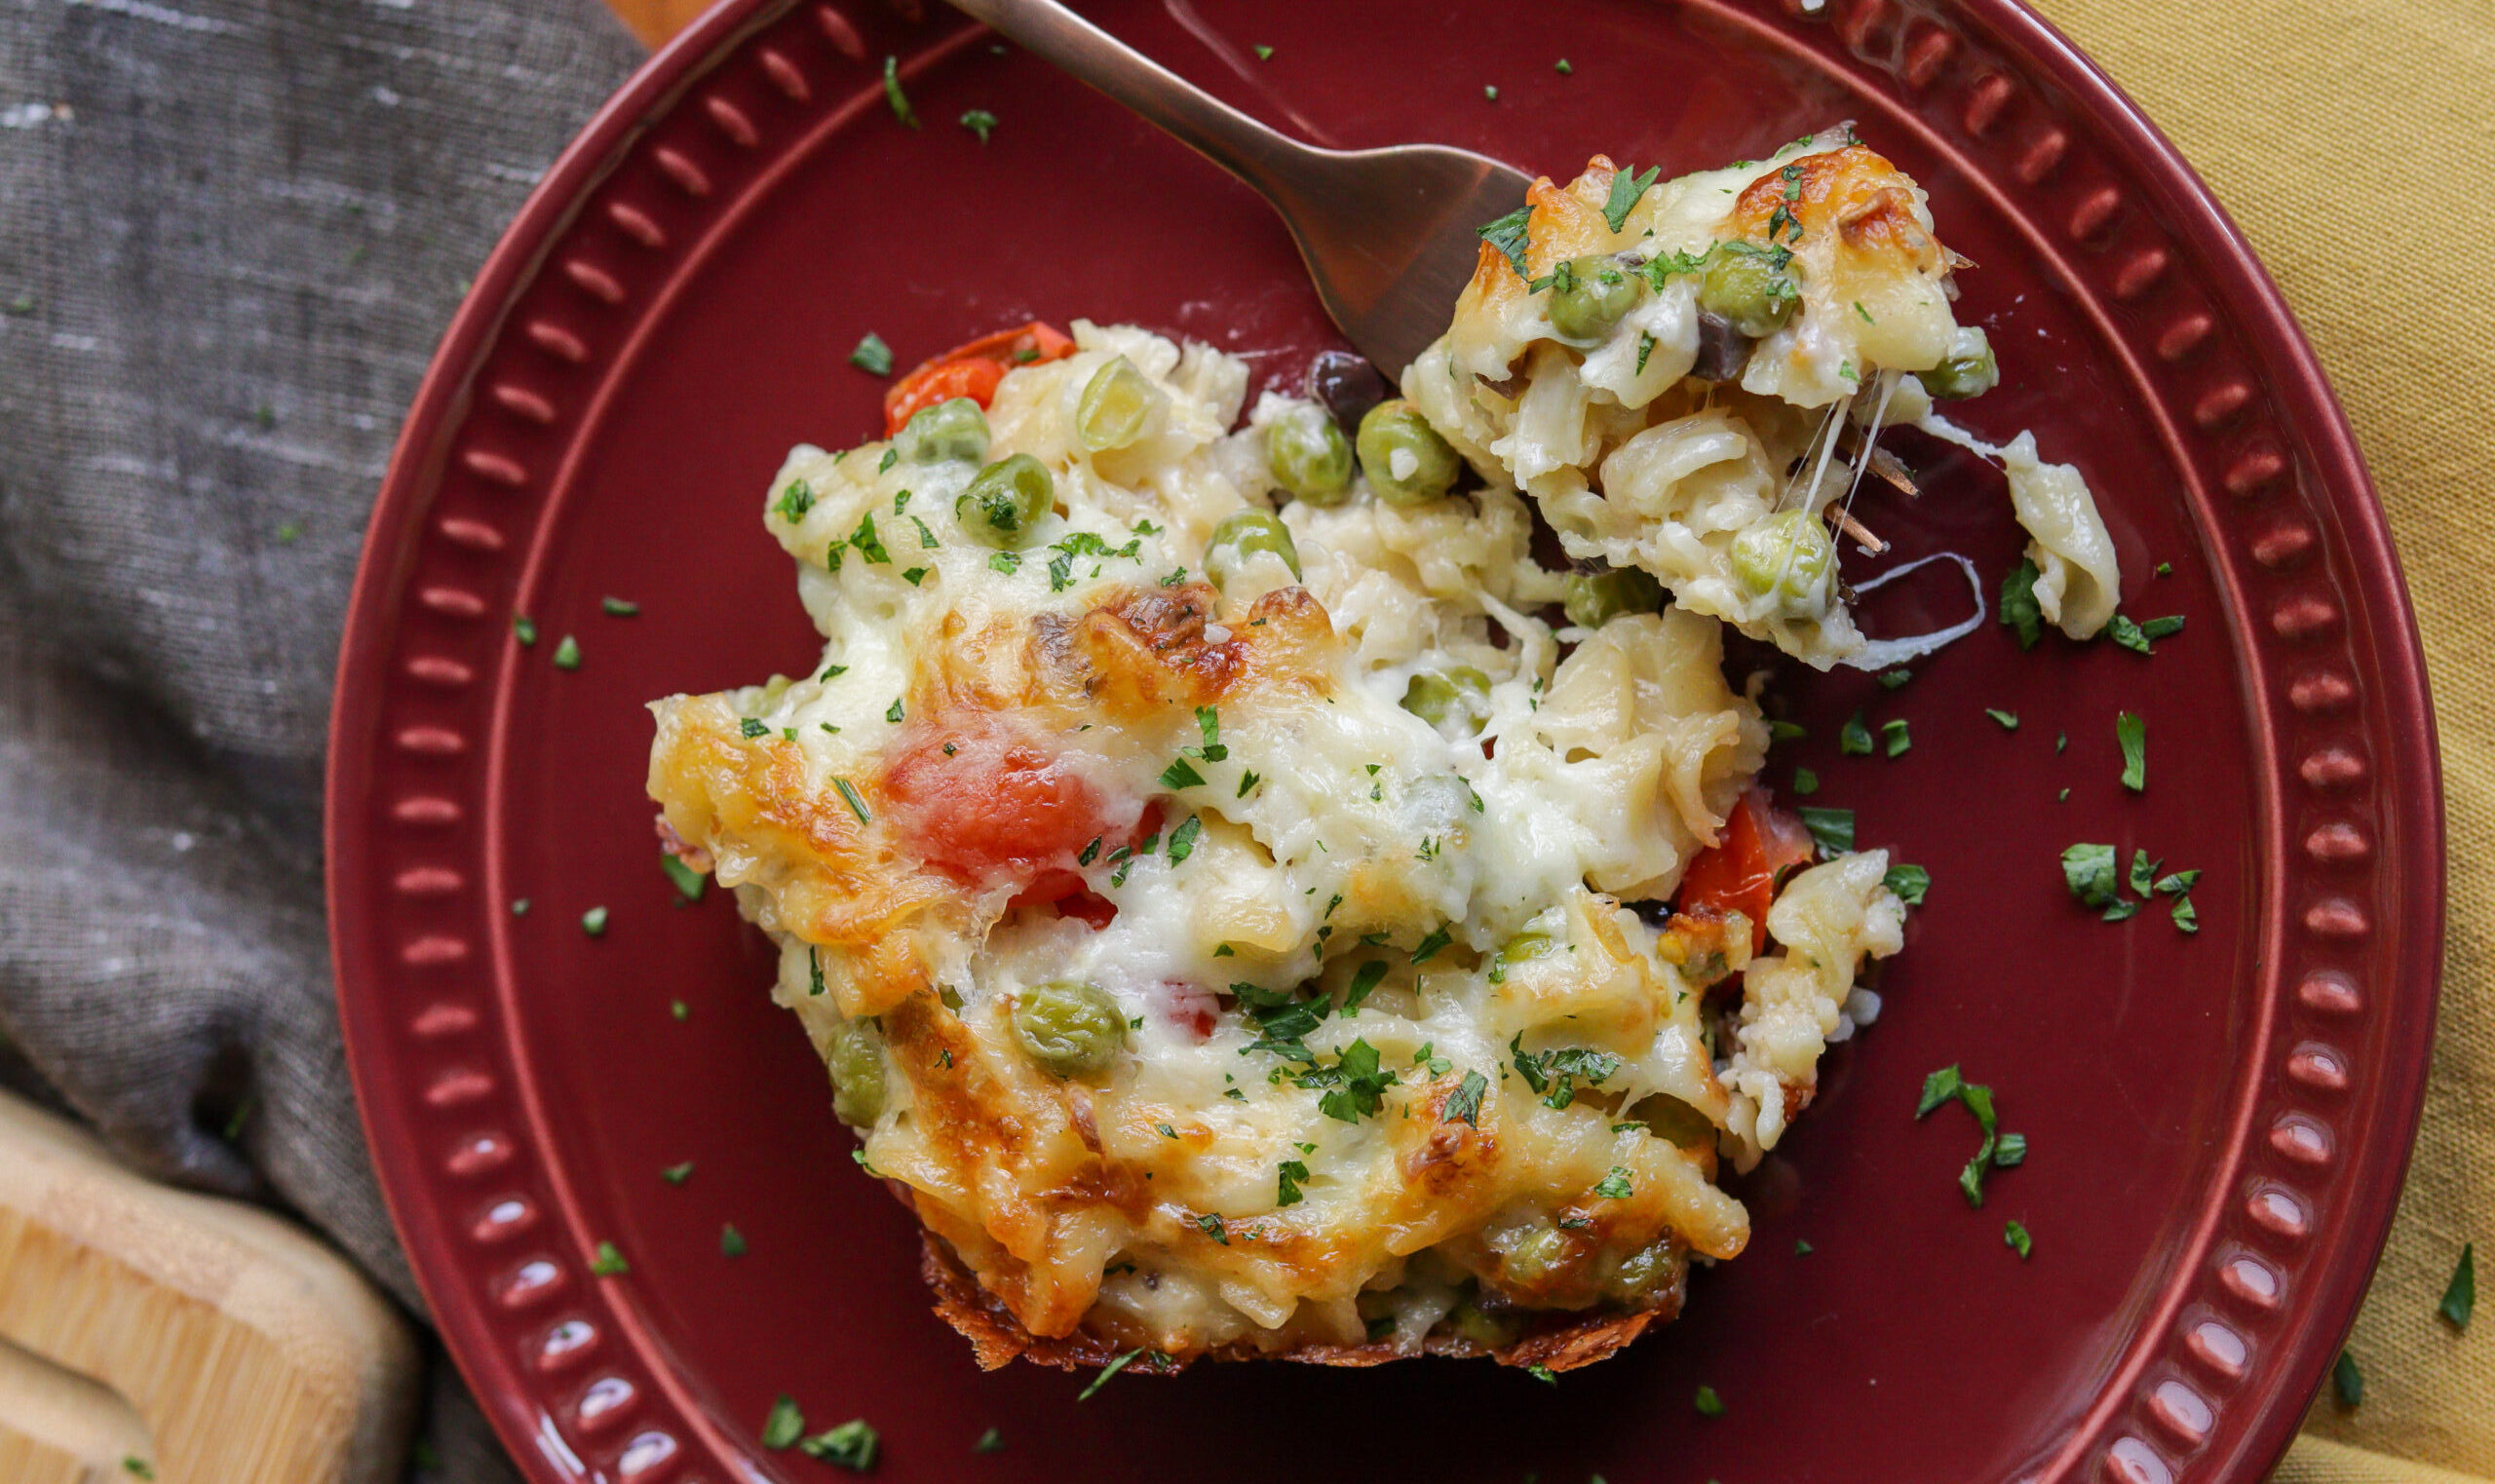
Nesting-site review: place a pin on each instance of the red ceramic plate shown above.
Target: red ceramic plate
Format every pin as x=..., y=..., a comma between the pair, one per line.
x=2219, y=1123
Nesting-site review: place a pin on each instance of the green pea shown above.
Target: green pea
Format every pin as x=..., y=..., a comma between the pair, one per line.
x=1005, y=501
x=1588, y=295
x=856, y=1058
x=1532, y=1257
x=1406, y=460
x=1967, y=371
x=1309, y=455
x=1241, y=535
x=1456, y=697
x=1483, y=1327
x=1742, y=284
x=1642, y=1272
x=1069, y=1028
x=1595, y=598
x=1116, y=404
x=1786, y=557
x=1531, y=943
x=948, y=430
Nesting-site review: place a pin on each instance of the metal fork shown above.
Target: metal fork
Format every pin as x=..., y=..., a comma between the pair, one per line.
x=1388, y=234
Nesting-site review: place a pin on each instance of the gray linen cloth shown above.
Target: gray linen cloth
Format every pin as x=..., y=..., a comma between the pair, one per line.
x=231, y=233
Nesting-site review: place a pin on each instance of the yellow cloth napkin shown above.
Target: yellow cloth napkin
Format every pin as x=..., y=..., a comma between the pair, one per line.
x=2353, y=141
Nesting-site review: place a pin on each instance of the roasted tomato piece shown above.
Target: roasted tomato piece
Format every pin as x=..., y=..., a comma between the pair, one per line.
x=971, y=370
x=994, y=808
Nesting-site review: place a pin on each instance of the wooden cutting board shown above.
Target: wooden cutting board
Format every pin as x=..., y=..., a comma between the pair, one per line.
x=151, y=1333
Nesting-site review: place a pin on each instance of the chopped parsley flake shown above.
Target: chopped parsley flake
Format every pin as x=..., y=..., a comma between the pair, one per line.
x=1627, y=188
x=1891, y=679
x=1213, y=1228
x=1614, y=1186
x=1544, y=1374
x=852, y=1445
x=2133, y=733
x=1832, y=829
x=893, y=712
x=1786, y=731
x=2347, y=1381
x=1263, y=53
x=2009, y=719
x=1365, y=979
x=793, y=501
x=2187, y=918
x=2460, y=1295
x=1855, y=738
x=1007, y=562
x=594, y=922
x=1463, y=1104
x=874, y=357
x=1182, y=840
x=1180, y=773
x=1428, y=947
x=2089, y=871
x=1805, y=782
x=609, y=1261
x=677, y=1174
x=990, y=1441
x=979, y=122
x=2019, y=612
x=1802, y=1249
x=1563, y=69
x=915, y=576
x=1893, y=735
x=1122, y=1361
x=781, y=1428
x=567, y=654
x=849, y=794
x=907, y=115
x=1707, y=1403
x=1507, y=235
x=619, y=607
x=2014, y=1237
x=731, y=1242
x=688, y=881
x=752, y=727
x=1491, y=91
x=523, y=628
x=1908, y=883
x=1292, y=1172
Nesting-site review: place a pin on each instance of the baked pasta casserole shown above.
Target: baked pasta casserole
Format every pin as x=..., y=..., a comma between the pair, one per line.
x=1289, y=880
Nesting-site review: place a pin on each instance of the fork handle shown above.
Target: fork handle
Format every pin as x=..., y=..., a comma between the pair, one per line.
x=1256, y=154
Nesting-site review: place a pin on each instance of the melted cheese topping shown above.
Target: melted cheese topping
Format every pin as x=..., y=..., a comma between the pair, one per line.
x=1396, y=1060
x=1640, y=463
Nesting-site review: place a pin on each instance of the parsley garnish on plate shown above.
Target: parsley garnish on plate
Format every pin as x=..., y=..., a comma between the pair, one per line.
x=872, y=356
x=688, y=881
x=2009, y=719
x=594, y=922
x=1998, y=1150
x=1854, y=738
x=609, y=1261
x=1707, y=1403
x=677, y=1174
x=1895, y=734
x=619, y=607
x=852, y=1445
x=2014, y=1237
x=1264, y=52
x=2133, y=733
x=900, y=110
x=1908, y=883
x=523, y=628
x=1805, y=782
x=1831, y=829
x=979, y=122
x=785, y=1424
x=990, y=1441
x=2021, y=613
x=731, y=1242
